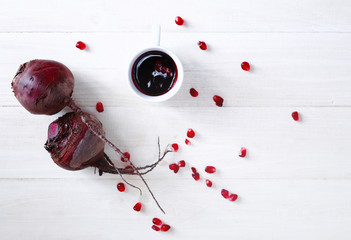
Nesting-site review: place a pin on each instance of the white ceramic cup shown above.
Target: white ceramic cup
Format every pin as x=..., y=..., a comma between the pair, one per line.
x=180, y=72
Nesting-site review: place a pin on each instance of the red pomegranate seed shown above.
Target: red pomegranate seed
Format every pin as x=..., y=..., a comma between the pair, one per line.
x=190, y=133
x=175, y=147
x=218, y=100
x=196, y=176
x=121, y=187
x=193, y=92
x=176, y=168
x=179, y=21
x=137, y=206
x=245, y=66
x=194, y=170
x=99, y=107
x=155, y=228
x=208, y=183
x=232, y=197
x=181, y=163
x=80, y=45
x=165, y=227
x=171, y=166
x=129, y=167
x=156, y=221
x=225, y=193
x=187, y=142
x=127, y=155
x=210, y=169
x=242, y=152
x=202, y=45
x=295, y=116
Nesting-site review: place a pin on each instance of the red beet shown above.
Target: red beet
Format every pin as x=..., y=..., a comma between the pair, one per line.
x=72, y=145
x=43, y=86
x=76, y=140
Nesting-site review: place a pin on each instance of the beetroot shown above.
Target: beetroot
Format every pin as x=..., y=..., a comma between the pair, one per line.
x=43, y=86
x=75, y=140
x=72, y=144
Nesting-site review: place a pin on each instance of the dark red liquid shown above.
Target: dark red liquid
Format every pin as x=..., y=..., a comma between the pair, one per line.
x=154, y=73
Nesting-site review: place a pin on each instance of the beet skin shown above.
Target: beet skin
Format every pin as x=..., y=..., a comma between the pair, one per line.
x=43, y=86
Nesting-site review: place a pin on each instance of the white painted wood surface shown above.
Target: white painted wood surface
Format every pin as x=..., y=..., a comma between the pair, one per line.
x=296, y=180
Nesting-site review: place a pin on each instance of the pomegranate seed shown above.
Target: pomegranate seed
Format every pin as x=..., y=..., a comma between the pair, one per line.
x=165, y=227
x=171, y=166
x=129, y=167
x=190, y=133
x=80, y=45
x=175, y=147
x=218, y=100
x=156, y=221
x=194, y=170
x=232, y=197
x=187, y=142
x=295, y=116
x=127, y=155
x=242, y=152
x=245, y=66
x=193, y=92
x=179, y=21
x=174, y=167
x=210, y=169
x=121, y=187
x=225, y=193
x=99, y=107
x=155, y=228
x=202, y=45
x=137, y=206
x=196, y=176
x=181, y=163
x=208, y=183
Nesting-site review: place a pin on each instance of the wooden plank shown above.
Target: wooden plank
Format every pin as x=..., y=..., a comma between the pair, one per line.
x=316, y=147
x=293, y=184
x=91, y=208
x=200, y=16
x=287, y=69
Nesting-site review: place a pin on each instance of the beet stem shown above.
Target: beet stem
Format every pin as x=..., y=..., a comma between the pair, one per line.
x=105, y=165
x=78, y=110
x=151, y=166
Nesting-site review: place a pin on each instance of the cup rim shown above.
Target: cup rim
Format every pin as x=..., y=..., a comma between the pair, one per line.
x=166, y=95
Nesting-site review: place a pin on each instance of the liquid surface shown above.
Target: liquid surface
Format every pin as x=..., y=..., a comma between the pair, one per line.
x=154, y=73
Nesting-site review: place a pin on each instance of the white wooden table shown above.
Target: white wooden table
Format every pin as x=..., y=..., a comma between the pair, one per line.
x=295, y=182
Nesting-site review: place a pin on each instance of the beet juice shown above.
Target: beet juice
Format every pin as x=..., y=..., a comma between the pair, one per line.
x=154, y=73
